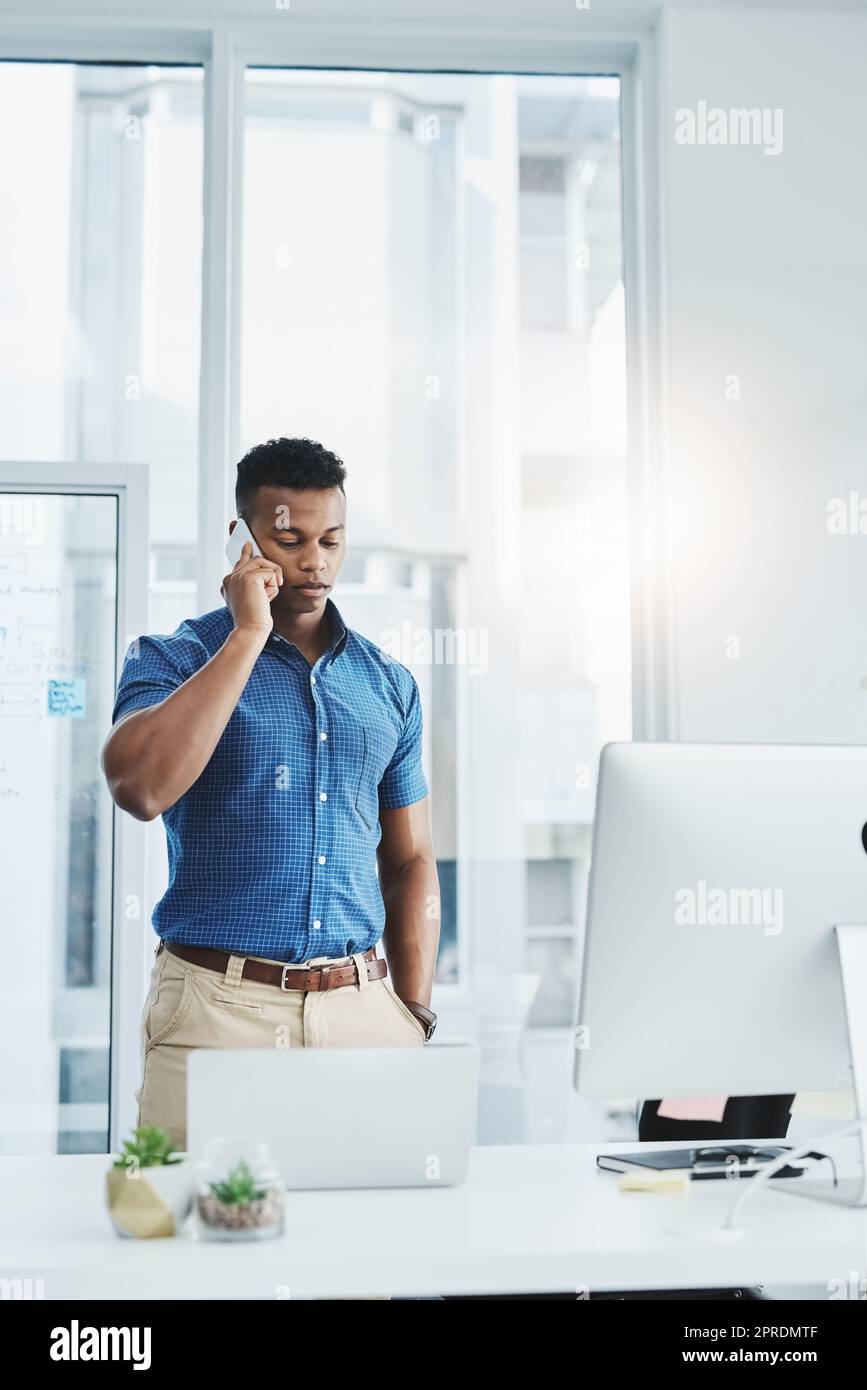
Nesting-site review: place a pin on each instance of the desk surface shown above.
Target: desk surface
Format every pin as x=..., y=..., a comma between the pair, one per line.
x=530, y=1218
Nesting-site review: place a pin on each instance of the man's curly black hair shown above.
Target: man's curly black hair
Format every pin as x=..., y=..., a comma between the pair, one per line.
x=297, y=463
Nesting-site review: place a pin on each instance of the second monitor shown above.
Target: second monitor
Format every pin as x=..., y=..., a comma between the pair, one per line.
x=711, y=961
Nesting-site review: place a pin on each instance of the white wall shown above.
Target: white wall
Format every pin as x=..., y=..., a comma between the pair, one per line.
x=766, y=278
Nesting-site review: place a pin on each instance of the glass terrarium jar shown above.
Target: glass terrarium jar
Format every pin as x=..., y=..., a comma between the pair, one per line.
x=239, y=1191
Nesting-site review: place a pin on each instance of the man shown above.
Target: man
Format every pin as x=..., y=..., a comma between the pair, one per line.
x=283, y=751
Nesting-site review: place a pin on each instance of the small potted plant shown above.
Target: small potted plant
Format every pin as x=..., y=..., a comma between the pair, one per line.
x=149, y=1186
x=240, y=1195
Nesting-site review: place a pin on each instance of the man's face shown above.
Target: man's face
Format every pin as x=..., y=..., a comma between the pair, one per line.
x=304, y=532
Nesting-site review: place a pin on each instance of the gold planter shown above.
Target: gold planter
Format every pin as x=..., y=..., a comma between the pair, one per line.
x=149, y=1202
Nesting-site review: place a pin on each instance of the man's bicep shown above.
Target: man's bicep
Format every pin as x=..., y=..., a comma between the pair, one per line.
x=147, y=678
x=406, y=835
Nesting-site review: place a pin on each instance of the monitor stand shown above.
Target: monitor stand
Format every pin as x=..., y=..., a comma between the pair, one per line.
x=852, y=952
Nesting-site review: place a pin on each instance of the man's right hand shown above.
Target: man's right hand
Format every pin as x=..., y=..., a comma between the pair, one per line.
x=250, y=590
x=154, y=755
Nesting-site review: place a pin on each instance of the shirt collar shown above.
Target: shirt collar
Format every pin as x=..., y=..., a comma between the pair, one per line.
x=339, y=630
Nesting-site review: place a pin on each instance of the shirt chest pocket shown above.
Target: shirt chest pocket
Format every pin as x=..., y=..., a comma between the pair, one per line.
x=375, y=753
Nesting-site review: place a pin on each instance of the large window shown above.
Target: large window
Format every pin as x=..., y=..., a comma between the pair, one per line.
x=100, y=286
x=432, y=286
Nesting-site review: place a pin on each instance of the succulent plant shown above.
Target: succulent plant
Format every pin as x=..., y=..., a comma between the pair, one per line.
x=150, y=1147
x=240, y=1188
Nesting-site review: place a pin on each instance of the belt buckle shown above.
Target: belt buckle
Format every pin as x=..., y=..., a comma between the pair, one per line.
x=321, y=971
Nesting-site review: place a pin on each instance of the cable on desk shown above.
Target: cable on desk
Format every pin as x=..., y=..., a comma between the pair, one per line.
x=791, y=1156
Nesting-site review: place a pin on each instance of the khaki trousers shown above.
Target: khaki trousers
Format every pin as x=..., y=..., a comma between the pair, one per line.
x=189, y=1006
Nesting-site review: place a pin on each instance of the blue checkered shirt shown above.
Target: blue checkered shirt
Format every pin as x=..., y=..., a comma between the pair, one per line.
x=272, y=851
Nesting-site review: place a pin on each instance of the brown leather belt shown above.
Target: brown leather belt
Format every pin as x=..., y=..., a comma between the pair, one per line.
x=329, y=975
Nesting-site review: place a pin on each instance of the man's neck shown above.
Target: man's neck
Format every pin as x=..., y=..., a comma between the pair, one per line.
x=310, y=632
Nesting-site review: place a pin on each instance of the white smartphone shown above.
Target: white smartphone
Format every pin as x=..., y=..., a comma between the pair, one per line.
x=235, y=543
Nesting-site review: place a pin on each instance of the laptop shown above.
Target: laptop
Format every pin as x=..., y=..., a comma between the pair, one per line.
x=341, y=1117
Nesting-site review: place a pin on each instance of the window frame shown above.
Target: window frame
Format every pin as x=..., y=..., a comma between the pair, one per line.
x=131, y=949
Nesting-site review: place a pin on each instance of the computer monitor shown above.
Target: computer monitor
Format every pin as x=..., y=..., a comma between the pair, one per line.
x=728, y=893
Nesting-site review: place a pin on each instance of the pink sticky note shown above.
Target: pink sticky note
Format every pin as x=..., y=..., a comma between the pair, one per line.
x=692, y=1108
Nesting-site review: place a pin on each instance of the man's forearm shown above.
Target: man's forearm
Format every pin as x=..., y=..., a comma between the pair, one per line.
x=155, y=755
x=412, y=928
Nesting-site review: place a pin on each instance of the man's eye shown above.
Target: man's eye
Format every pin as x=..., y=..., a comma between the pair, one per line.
x=330, y=545
x=287, y=545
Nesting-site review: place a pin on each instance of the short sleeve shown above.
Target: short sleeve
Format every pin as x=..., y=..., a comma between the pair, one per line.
x=403, y=781
x=147, y=677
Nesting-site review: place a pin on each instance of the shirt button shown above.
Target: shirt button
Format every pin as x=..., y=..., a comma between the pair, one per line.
x=322, y=859
x=322, y=738
x=312, y=680
x=323, y=796
x=317, y=924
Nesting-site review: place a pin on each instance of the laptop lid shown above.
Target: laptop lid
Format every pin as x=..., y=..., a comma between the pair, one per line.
x=341, y=1117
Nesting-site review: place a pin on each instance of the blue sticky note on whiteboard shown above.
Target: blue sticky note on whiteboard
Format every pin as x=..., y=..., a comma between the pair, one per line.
x=67, y=698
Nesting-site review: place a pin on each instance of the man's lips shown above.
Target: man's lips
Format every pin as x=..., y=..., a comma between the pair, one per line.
x=319, y=588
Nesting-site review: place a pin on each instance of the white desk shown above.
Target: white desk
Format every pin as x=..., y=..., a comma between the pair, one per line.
x=529, y=1218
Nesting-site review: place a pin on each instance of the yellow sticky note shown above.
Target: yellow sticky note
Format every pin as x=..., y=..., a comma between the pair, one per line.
x=655, y=1180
